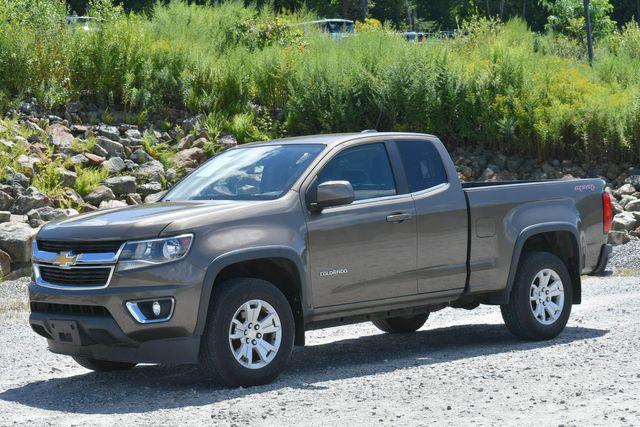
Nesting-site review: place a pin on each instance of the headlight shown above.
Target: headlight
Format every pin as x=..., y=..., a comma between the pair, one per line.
x=143, y=253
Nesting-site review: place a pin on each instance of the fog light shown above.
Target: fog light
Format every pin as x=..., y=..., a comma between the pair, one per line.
x=151, y=311
x=156, y=308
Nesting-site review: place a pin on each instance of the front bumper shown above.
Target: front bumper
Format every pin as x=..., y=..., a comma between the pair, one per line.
x=97, y=323
x=603, y=260
x=101, y=338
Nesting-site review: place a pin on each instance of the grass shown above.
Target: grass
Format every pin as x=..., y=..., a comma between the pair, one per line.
x=252, y=74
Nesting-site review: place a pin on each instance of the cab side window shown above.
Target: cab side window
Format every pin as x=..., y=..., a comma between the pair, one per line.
x=366, y=167
x=422, y=164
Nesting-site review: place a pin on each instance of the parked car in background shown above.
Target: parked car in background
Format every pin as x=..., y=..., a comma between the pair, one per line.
x=86, y=23
x=336, y=27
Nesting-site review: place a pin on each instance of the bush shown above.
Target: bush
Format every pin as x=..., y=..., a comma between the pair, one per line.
x=258, y=75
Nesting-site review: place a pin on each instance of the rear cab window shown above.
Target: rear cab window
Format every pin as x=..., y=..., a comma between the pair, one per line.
x=422, y=164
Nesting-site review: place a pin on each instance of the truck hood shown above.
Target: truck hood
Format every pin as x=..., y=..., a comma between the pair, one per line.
x=129, y=223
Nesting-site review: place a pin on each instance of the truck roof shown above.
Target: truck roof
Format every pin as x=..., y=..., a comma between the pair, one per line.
x=332, y=139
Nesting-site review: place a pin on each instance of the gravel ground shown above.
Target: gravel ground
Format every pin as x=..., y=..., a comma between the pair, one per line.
x=462, y=367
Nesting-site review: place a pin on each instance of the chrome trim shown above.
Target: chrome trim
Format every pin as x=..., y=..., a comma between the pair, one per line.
x=41, y=282
x=82, y=258
x=137, y=315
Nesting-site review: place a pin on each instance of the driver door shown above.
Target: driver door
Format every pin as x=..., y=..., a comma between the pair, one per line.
x=365, y=250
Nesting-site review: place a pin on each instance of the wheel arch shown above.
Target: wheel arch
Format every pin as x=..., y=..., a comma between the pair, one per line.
x=281, y=266
x=560, y=239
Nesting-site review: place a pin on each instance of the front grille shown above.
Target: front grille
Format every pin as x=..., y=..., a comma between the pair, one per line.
x=72, y=309
x=79, y=247
x=97, y=276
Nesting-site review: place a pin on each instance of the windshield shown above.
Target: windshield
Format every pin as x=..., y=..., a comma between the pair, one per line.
x=252, y=173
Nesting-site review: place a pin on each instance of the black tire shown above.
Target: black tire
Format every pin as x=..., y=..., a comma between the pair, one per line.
x=216, y=357
x=102, y=365
x=518, y=313
x=401, y=324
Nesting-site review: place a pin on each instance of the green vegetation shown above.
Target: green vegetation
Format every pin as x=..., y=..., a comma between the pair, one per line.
x=89, y=179
x=250, y=72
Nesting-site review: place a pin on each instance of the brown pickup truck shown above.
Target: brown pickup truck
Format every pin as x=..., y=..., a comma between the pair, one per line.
x=268, y=240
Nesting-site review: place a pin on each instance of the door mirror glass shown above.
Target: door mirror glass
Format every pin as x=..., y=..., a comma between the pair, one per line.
x=334, y=193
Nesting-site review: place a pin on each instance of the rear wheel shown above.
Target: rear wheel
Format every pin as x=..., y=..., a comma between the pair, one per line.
x=540, y=301
x=249, y=333
x=102, y=365
x=401, y=324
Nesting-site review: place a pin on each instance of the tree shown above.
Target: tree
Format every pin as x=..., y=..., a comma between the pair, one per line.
x=567, y=17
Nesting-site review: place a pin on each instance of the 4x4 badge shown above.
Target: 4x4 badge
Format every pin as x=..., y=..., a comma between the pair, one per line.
x=65, y=260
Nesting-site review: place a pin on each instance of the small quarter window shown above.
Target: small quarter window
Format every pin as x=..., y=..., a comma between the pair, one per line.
x=422, y=164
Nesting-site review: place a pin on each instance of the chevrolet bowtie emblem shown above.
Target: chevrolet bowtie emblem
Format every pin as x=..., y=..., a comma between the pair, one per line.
x=65, y=260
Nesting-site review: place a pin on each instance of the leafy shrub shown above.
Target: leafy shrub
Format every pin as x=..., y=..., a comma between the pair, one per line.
x=89, y=179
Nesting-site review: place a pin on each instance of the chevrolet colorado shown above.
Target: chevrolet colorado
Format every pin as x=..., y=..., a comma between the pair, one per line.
x=268, y=240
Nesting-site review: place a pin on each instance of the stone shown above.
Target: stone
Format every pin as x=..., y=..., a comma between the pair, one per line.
x=79, y=159
x=130, y=164
x=5, y=216
x=633, y=206
x=80, y=129
x=633, y=180
x=6, y=201
x=150, y=171
x=16, y=239
x=32, y=126
x=114, y=165
x=99, y=151
x=35, y=223
x=140, y=156
x=121, y=184
x=99, y=195
x=112, y=148
x=109, y=132
x=185, y=142
x=27, y=163
x=190, y=158
x=5, y=264
x=624, y=222
x=16, y=178
x=618, y=237
x=171, y=175
x=94, y=159
x=227, y=141
x=31, y=199
x=200, y=142
x=49, y=213
x=133, y=199
x=487, y=174
x=625, y=190
x=133, y=134
x=111, y=204
x=153, y=198
x=626, y=199
x=149, y=188
x=73, y=196
x=60, y=136
x=67, y=177
x=74, y=107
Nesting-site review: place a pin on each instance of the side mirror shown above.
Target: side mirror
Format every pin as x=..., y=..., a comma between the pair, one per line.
x=334, y=193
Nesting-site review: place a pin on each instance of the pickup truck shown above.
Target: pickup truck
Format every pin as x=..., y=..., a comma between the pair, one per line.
x=269, y=240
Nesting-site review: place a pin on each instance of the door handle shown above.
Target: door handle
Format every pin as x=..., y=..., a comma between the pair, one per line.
x=398, y=217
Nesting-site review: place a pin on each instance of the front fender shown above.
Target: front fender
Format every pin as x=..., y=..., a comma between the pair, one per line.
x=248, y=254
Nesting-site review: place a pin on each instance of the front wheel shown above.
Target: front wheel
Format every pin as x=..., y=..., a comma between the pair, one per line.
x=540, y=301
x=249, y=333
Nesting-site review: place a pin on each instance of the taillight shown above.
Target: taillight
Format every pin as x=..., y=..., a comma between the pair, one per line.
x=607, y=212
